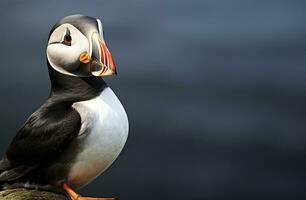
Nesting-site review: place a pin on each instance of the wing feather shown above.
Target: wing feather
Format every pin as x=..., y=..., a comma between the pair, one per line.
x=42, y=138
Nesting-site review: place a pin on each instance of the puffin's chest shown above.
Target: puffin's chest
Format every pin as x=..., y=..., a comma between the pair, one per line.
x=102, y=136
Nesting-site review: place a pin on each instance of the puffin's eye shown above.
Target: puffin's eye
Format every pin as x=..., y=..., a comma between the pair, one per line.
x=67, y=40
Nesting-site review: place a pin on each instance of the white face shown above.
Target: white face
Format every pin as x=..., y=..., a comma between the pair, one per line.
x=65, y=46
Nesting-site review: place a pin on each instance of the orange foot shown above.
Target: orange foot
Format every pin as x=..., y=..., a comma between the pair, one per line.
x=74, y=196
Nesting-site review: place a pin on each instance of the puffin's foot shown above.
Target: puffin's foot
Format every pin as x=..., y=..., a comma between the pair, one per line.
x=74, y=196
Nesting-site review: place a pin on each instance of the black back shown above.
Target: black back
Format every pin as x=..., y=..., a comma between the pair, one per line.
x=51, y=128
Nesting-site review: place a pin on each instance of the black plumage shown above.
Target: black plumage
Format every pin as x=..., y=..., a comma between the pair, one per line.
x=48, y=130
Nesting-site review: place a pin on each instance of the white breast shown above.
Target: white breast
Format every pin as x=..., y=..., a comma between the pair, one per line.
x=103, y=134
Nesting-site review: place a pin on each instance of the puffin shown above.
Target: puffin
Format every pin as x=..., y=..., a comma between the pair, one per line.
x=78, y=132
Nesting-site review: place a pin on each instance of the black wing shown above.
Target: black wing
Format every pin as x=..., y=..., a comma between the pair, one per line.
x=42, y=137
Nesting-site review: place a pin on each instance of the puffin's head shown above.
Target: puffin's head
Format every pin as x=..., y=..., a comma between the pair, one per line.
x=76, y=47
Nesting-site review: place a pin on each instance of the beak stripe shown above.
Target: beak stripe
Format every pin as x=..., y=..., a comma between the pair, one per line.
x=103, y=53
x=110, y=60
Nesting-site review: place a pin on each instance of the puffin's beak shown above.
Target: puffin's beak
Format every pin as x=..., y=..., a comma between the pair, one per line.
x=102, y=62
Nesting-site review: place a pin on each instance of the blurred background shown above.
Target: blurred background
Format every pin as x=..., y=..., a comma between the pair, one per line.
x=215, y=92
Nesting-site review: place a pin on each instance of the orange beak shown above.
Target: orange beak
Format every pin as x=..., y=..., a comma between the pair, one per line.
x=102, y=62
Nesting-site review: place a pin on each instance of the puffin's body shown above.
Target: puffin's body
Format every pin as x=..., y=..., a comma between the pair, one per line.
x=82, y=127
x=104, y=132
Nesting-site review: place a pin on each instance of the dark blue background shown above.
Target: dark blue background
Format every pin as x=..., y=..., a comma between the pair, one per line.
x=215, y=92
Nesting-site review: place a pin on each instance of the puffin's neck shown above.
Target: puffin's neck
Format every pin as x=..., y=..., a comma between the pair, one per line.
x=69, y=89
